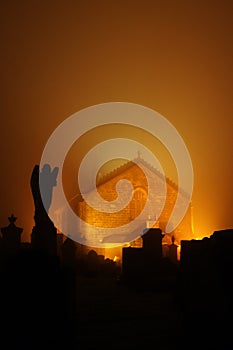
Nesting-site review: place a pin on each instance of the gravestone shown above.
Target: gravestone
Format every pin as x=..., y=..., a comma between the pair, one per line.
x=11, y=237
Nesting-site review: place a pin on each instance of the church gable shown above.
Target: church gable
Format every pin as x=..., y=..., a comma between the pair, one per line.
x=130, y=171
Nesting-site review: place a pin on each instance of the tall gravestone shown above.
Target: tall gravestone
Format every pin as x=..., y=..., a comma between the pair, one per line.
x=152, y=243
x=44, y=233
x=172, y=252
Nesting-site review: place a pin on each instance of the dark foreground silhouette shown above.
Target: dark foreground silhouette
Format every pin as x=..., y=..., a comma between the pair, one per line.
x=45, y=303
x=37, y=308
x=75, y=302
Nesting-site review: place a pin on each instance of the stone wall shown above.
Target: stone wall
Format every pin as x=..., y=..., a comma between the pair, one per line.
x=107, y=189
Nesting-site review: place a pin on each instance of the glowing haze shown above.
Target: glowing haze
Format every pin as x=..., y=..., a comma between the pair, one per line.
x=172, y=56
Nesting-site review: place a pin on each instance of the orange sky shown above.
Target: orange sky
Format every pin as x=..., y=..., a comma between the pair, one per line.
x=175, y=57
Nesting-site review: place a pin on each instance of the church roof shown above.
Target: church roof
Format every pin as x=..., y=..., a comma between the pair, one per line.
x=127, y=165
x=119, y=170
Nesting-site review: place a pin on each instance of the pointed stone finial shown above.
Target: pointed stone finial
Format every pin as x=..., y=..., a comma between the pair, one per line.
x=12, y=219
x=173, y=239
x=11, y=237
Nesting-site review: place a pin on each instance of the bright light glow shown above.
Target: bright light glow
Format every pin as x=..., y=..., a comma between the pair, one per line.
x=116, y=258
x=178, y=252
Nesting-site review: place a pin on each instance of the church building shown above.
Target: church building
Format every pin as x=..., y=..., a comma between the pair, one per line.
x=106, y=186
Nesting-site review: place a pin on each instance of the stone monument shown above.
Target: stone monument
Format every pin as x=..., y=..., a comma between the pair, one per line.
x=11, y=237
x=44, y=233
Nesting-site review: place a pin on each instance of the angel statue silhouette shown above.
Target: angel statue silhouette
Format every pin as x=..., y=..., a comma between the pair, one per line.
x=42, y=184
x=48, y=179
